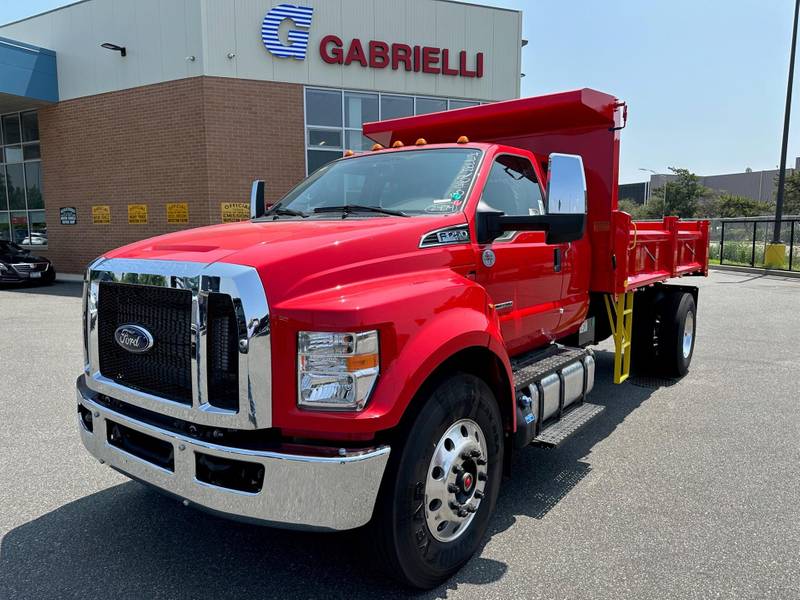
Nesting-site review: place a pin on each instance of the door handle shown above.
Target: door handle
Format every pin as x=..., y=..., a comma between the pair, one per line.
x=557, y=260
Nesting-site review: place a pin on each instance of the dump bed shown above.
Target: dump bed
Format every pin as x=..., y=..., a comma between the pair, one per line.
x=625, y=255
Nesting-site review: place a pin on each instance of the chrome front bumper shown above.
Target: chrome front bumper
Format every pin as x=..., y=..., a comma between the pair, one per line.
x=301, y=491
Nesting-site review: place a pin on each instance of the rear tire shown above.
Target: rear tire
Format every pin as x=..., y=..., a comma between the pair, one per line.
x=678, y=333
x=459, y=418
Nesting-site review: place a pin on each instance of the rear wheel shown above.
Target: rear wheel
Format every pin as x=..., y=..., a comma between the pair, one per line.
x=679, y=334
x=440, y=489
x=664, y=333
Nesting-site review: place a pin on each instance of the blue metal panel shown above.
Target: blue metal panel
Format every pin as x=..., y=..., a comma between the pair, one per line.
x=28, y=71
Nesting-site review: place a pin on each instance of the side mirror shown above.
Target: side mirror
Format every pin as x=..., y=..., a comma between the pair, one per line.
x=257, y=206
x=566, y=185
x=565, y=220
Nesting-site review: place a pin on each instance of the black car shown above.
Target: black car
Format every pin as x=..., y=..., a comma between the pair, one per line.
x=18, y=265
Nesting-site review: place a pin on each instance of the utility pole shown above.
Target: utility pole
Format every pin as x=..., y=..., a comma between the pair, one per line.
x=776, y=235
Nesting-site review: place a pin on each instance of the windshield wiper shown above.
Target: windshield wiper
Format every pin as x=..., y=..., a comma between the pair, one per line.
x=286, y=212
x=347, y=209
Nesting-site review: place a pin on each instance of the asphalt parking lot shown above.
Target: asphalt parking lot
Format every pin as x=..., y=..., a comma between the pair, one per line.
x=685, y=490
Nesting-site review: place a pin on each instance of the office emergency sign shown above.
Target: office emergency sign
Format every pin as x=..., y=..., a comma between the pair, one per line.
x=372, y=54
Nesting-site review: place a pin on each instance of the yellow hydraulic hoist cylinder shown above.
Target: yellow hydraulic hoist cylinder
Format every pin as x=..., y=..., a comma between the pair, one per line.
x=620, y=317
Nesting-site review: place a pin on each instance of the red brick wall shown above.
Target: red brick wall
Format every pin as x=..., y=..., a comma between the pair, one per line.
x=199, y=140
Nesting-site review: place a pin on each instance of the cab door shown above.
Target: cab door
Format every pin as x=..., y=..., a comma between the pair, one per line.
x=521, y=273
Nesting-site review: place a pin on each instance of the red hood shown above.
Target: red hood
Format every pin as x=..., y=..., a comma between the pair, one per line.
x=295, y=257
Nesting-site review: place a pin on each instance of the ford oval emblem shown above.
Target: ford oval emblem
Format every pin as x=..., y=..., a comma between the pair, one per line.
x=133, y=338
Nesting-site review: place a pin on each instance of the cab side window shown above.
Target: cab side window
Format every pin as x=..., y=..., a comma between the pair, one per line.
x=512, y=187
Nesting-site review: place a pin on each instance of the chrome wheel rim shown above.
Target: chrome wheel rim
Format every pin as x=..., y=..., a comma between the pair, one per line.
x=456, y=480
x=688, y=334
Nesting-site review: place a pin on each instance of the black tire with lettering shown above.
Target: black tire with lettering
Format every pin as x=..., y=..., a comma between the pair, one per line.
x=405, y=548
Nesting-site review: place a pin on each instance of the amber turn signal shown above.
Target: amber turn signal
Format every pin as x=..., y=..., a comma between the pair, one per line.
x=361, y=361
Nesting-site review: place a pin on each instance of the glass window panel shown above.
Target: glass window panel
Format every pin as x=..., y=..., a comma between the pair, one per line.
x=461, y=104
x=38, y=228
x=429, y=105
x=31, y=152
x=2, y=156
x=324, y=107
x=15, y=184
x=393, y=107
x=329, y=138
x=19, y=226
x=357, y=142
x=319, y=158
x=13, y=154
x=3, y=197
x=30, y=127
x=33, y=183
x=5, y=226
x=360, y=109
x=512, y=187
x=11, y=133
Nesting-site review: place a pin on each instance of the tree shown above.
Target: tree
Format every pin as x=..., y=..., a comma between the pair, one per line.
x=631, y=207
x=682, y=196
x=731, y=205
x=791, y=193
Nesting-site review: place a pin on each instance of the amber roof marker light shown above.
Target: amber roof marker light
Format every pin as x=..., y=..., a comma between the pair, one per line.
x=462, y=140
x=398, y=144
x=420, y=142
x=377, y=147
x=348, y=152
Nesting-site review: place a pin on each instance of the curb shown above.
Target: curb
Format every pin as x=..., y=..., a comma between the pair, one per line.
x=756, y=270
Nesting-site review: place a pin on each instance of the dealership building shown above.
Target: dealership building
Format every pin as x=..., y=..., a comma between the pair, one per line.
x=122, y=120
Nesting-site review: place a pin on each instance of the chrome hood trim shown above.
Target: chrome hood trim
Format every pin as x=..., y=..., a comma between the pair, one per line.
x=244, y=286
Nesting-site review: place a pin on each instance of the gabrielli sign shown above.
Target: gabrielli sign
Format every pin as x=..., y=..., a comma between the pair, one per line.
x=373, y=54
x=381, y=55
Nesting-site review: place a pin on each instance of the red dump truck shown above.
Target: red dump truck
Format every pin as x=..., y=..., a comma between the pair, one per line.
x=372, y=348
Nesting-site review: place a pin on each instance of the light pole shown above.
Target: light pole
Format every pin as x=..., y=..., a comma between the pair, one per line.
x=664, y=204
x=775, y=253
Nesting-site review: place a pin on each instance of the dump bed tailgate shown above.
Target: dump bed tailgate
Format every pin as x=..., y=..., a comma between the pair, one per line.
x=646, y=252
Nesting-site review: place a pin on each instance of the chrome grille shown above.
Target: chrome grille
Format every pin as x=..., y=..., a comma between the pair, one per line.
x=215, y=369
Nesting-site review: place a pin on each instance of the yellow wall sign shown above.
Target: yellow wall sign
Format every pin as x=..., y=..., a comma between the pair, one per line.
x=101, y=214
x=137, y=214
x=177, y=212
x=235, y=211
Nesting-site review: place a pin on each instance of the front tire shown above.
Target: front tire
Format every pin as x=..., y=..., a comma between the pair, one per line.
x=441, y=487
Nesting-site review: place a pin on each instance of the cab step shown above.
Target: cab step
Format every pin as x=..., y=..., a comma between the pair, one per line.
x=558, y=431
x=551, y=387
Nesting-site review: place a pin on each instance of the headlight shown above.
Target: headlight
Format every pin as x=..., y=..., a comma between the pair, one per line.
x=3, y=268
x=336, y=371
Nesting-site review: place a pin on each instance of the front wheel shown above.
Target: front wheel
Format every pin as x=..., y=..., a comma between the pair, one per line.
x=440, y=491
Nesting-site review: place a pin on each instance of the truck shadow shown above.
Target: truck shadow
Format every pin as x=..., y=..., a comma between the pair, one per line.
x=130, y=542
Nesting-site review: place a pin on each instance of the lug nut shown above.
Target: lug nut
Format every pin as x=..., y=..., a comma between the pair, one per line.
x=458, y=469
x=182, y=447
x=481, y=476
x=471, y=508
x=453, y=488
x=478, y=494
x=480, y=462
x=475, y=453
x=454, y=505
x=462, y=512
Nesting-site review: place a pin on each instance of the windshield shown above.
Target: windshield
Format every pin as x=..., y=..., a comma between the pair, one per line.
x=413, y=182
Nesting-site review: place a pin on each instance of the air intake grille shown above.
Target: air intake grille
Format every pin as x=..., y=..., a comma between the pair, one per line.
x=223, y=354
x=166, y=369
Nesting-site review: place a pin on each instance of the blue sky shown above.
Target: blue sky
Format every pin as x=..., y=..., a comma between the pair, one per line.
x=705, y=81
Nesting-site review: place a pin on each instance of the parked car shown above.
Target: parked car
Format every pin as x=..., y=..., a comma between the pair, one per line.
x=18, y=265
